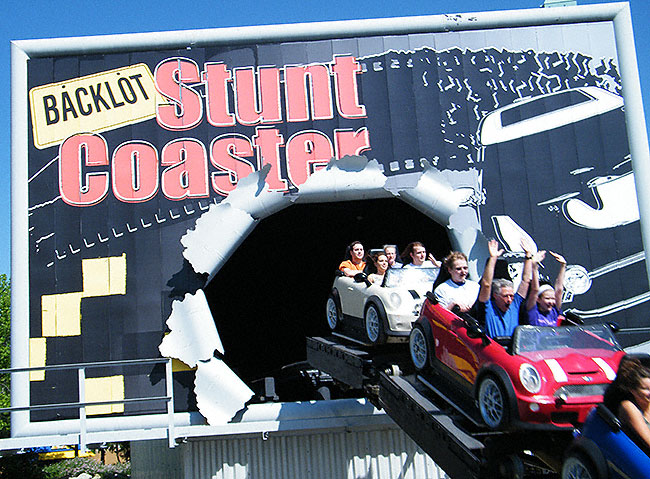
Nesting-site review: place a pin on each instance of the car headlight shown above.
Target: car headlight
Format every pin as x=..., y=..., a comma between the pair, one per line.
x=530, y=378
x=395, y=300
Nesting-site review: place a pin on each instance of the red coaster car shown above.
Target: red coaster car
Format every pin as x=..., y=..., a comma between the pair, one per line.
x=542, y=377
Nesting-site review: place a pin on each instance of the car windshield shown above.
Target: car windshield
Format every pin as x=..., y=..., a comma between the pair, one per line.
x=400, y=277
x=539, y=342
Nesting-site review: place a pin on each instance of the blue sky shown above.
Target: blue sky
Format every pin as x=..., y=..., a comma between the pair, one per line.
x=29, y=19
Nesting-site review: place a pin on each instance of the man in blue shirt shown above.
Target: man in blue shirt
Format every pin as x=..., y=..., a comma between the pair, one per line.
x=497, y=299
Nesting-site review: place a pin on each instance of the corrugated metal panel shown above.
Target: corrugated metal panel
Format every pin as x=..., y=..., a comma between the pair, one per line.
x=155, y=460
x=386, y=453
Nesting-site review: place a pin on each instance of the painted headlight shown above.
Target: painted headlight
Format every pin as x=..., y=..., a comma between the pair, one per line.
x=529, y=378
x=395, y=300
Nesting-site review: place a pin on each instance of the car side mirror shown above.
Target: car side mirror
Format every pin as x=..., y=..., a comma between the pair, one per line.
x=573, y=318
x=362, y=278
x=474, y=331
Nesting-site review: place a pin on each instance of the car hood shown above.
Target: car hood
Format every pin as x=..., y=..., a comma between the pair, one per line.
x=595, y=362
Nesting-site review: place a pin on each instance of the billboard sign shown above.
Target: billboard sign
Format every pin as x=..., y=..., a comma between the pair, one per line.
x=145, y=166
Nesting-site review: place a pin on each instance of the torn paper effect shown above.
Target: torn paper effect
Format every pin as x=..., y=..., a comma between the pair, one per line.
x=218, y=233
x=220, y=394
x=193, y=335
x=433, y=196
x=468, y=191
x=251, y=195
x=472, y=242
x=397, y=183
x=350, y=178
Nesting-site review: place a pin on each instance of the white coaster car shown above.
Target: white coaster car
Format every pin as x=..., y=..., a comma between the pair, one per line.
x=379, y=313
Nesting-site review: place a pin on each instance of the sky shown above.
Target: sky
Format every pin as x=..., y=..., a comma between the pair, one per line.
x=30, y=19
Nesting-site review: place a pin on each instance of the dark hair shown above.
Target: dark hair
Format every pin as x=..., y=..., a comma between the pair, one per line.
x=374, y=257
x=406, y=254
x=629, y=376
x=630, y=373
x=348, y=250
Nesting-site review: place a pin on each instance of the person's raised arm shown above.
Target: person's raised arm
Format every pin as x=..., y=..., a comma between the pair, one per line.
x=488, y=273
x=434, y=261
x=531, y=299
x=559, y=281
x=529, y=248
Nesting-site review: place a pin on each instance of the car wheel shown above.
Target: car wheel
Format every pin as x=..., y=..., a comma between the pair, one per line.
x=374, y=325
x=333, y=311
x=578, y=466
x=492, y=403
x=419, y=348
x=511, y=467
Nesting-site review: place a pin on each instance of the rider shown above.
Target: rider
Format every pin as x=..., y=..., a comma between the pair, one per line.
x=415, y=256
x=354, y=259
x=458, y=290
x=391, y=254
x=545, y=302
x=498, y=303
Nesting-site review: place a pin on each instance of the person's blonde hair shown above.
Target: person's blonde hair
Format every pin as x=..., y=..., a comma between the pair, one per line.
x=453, y=257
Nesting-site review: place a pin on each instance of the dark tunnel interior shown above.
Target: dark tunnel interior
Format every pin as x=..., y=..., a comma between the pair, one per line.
x=271, y=294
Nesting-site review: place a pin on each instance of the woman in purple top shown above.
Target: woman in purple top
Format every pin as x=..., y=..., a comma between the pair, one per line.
x=548, y=299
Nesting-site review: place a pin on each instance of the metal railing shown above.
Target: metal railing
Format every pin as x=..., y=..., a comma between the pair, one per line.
x=82, y=404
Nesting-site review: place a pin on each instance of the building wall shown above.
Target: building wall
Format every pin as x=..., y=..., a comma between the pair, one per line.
x=155, y=460
x=386, y=453
x=355, y=454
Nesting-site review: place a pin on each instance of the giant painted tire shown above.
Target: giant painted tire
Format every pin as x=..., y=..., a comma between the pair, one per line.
x=333, y=311
x=492, y=403
x=419, y=348
x=578, y=466
x=374, y=324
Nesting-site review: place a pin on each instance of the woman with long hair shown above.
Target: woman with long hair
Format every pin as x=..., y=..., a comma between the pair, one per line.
x=415, y=256
x=380, y=260
x=629, y=398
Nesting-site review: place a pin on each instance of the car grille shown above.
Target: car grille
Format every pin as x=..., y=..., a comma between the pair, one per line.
x=580, y=390
x=564, y=417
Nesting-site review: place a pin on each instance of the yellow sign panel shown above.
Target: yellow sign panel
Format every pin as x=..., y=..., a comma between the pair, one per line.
x=94, y=103
x=109, y=388
x=61, y=313
x=37, y=357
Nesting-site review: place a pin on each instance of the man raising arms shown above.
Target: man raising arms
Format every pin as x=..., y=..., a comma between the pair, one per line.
x=497, y=299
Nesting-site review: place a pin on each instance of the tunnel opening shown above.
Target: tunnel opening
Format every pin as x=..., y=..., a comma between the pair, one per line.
x=271, y=294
